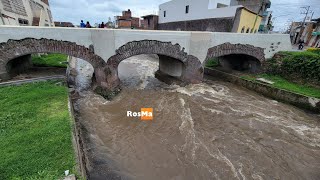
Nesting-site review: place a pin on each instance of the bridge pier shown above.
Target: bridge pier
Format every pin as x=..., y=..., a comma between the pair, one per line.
x=170, y=66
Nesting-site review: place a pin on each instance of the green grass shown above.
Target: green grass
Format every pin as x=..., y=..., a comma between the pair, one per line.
x=282, y=83
x=212, y=62
x=50, y=60
x=35, y=132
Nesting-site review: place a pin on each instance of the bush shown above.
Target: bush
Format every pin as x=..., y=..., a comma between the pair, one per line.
x=213, y=62
x=303, y=65
x=314, y=50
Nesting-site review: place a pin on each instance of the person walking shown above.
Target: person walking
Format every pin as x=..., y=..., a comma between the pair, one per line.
x=82, y=24
x=301, y=42
x=102, y=25
x=88, y=25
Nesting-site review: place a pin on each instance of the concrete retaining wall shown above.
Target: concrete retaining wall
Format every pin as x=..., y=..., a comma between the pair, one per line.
x=295, y=99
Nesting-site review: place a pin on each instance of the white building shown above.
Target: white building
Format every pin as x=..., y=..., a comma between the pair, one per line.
x=186, y=10
x=25, y=13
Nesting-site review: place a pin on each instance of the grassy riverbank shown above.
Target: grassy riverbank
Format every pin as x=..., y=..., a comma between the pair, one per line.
x=282, y=83
x=35, y=132
x=50, y=60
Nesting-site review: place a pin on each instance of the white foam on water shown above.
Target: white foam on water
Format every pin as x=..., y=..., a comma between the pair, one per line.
x=256, y=177
x=221, y=157
x=187, y=128
x=213, y=110
x=145, y=68
x=240, y=172
x=202, y=89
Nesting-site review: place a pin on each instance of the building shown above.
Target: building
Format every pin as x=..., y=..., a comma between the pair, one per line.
x=150, y=22
x=266, y=23
x=306, y=34
x=257, y=6
x=63, y=24
x=126, y=21
x=204, y=15
x=246, y=21
x=315, y=36
x=25, y=13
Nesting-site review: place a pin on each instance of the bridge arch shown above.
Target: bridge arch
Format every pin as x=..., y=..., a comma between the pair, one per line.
x=13, y=49
x=237, y=54
x=171, y=58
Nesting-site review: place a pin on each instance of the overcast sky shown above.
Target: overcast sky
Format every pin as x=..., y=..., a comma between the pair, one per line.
x=100, y=10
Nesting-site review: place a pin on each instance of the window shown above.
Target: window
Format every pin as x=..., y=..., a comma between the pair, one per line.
x=251, y=31
x=187, y=9
x=164, y=13
x=248, y=30
x=255, y=31
x=23, y=22
x=243, y=29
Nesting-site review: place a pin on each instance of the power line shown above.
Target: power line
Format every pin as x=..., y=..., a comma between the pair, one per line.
x=307, y=8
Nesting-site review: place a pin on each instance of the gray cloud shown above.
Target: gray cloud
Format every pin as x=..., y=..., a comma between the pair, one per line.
x=286, y=11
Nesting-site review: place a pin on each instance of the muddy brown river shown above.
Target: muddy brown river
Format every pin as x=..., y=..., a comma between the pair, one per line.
x=213, y=130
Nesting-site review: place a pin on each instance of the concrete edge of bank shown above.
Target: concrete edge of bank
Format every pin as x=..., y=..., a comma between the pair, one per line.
x=32, y=80
x=298, y=100
x=77, y=138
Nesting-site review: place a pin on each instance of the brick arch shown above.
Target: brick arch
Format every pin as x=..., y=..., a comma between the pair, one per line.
x=192, y=71
x=230, y=49
x=148, y=47
x=16, y=48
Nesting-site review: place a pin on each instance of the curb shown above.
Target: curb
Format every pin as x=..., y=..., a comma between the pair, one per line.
x=32, y=80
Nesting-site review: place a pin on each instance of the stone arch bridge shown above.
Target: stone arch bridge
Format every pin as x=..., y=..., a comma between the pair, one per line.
x=182, y=55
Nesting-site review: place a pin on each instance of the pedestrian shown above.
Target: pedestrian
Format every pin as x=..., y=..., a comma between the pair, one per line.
x=301, y=42
x=88, y=25
x=102, y=25
x=82, y=24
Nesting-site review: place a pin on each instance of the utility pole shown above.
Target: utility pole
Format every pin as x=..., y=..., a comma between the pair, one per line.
x=304, y=21
x=311, y=16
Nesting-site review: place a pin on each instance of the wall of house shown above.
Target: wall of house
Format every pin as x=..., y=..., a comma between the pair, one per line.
x=253, y=5
x=28, y=10
x=176, y=10
x=153, y=22
x=247, y=21
x=315, y=39
x=124, y=24
x=135, y=22
x=212, y=24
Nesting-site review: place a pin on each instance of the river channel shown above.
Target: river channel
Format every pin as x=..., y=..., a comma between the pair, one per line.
x=212, y=130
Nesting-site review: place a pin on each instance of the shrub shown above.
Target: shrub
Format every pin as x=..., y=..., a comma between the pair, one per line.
x=314, y=50
x=213, y=62
x=304, y=65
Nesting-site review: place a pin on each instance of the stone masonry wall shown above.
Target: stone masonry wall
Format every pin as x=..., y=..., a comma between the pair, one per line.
x=213, y=25
x=228, y=49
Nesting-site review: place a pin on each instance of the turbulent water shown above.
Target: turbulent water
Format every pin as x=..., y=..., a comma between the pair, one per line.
x=213, y=130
